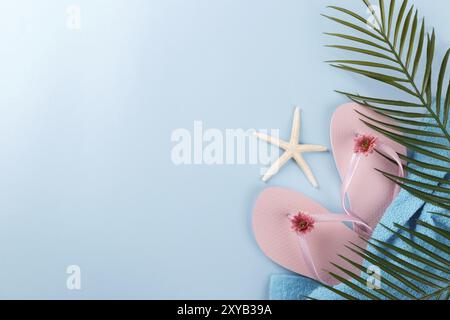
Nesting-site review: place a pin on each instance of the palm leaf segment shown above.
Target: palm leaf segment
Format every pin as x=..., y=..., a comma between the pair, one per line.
x=396, y=50
x=416, y=267
x=399, y=53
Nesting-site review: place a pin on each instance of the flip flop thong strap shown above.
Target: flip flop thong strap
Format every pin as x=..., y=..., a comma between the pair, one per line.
x=323, y=218
x=307, y=256
x=353, y=166
x=332, y=217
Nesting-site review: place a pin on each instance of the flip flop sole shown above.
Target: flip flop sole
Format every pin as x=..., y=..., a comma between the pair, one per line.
x=370, y=193
x=273, y=233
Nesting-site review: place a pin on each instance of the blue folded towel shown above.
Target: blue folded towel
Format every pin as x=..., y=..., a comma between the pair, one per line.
x=405, y=210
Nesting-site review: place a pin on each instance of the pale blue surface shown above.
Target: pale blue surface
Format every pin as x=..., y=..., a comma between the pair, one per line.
x=85, y=124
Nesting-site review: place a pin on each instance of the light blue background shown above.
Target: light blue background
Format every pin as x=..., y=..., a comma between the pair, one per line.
x=85, y=124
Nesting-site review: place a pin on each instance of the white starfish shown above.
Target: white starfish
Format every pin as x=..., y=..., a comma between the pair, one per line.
x=292, y=149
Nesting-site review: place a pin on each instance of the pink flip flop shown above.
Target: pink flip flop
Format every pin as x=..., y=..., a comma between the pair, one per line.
x=301, y=235
x=369, y=193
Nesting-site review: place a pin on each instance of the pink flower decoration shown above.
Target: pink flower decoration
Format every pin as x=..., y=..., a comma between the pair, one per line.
x=365, y=144
x=302, y=223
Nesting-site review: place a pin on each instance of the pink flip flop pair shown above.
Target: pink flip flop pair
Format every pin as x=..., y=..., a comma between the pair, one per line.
x=304, y=237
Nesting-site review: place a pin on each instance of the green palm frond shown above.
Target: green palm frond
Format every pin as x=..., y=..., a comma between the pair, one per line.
x=403, y=276
x=394, y=51
x=397, y=51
